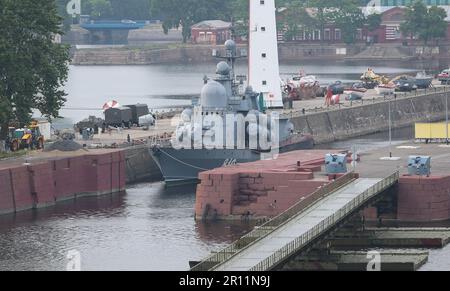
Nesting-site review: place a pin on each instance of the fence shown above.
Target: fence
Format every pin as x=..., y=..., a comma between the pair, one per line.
x=267, y=228
x=325, y=225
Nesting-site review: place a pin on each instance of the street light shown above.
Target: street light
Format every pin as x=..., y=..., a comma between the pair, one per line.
x=446, y=118
x=390, y=130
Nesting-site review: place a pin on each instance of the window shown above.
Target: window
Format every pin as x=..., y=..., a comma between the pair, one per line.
x=262, y=2
x=337, y=34
x=264, y=55
x=263, y=28
x=264, y=83
x=327, y=34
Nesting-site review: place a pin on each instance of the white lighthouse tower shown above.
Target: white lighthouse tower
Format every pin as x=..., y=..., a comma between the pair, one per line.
x=264, y=71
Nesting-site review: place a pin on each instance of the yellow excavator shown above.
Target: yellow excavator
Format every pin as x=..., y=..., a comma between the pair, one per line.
x=26, y=138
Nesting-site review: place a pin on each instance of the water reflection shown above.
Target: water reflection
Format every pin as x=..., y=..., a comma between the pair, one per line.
x=147, y=228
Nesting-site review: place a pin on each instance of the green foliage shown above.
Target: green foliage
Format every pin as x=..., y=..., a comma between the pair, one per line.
x=349, y=18
x=33, y=68
x=294, y=19
x=423, y=23
x=185, y=13
x=373, y=21
x=97, y=9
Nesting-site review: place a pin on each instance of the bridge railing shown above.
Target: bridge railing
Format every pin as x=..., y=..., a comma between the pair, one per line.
x=262, y=231
x=326, y=224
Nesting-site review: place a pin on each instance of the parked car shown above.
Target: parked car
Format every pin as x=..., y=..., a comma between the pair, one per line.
x=337, y=88
x=405, y=84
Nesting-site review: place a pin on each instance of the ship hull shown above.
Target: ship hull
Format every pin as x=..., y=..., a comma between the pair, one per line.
x=183, y=166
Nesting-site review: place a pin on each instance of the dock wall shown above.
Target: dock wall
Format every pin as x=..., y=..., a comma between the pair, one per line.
x=345, y=123
x=44, y=184
x=140, y=166
x=422, y=199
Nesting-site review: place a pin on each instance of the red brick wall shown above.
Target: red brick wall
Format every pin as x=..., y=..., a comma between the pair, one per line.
x=424, y=199
x=6, y=194
x=264, y=194
x=44, y=184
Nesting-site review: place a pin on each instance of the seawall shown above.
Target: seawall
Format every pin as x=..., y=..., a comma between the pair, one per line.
x=360, y=120
x=43, y=184
x=140, y=166
x=176, y=52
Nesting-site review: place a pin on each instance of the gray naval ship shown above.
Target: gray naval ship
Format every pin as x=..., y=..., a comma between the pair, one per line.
x=192, y=149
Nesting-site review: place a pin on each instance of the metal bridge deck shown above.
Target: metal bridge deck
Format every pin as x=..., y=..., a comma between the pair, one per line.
x=301, y=224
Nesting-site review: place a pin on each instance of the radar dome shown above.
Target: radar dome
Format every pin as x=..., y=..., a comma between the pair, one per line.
x=230, y=45
x=223, y=69
x=214, y=95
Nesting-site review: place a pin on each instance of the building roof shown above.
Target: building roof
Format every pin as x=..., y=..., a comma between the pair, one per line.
x=212, y=24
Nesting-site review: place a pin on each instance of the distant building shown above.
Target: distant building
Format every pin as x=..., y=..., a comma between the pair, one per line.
x=213, y=32
x=387, y=32
x=381, y=6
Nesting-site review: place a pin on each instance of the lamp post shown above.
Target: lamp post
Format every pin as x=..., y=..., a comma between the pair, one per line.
x=390, y=130
x=446, y=118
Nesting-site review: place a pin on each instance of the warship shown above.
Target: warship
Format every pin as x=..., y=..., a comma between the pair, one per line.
x=181, y=158
x=232, y=122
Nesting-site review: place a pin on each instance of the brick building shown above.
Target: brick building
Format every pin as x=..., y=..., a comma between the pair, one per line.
x=214, y=32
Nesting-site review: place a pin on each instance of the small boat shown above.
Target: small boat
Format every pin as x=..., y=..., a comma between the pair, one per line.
x=423, y=80
x=355, y=93
x=385, y=89
x=303, y=87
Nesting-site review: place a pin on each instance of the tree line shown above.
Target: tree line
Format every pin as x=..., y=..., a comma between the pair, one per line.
x=421, y=22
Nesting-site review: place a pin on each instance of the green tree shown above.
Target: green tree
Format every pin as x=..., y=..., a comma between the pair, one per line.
x=436, y=23
x=33, y=68
x=97, y=9
x=67, y=19
x=185, y=13
x=423, y=23
x=415, y=18
x=348, y=17
x=373, y=21
x=324, y=13
x=294, y=19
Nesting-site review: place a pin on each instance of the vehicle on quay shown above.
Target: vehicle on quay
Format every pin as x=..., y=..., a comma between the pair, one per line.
x=444, y=77
x=386, y=89
x=25, y=138
x=405, y=84
x=337, y=88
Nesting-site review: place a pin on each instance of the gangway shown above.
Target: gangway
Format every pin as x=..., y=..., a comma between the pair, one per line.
x=298, y=228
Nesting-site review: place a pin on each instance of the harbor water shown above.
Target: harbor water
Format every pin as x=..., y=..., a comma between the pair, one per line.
x=148, y=227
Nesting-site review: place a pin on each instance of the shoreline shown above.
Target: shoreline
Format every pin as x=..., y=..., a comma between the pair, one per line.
x=176, y=53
